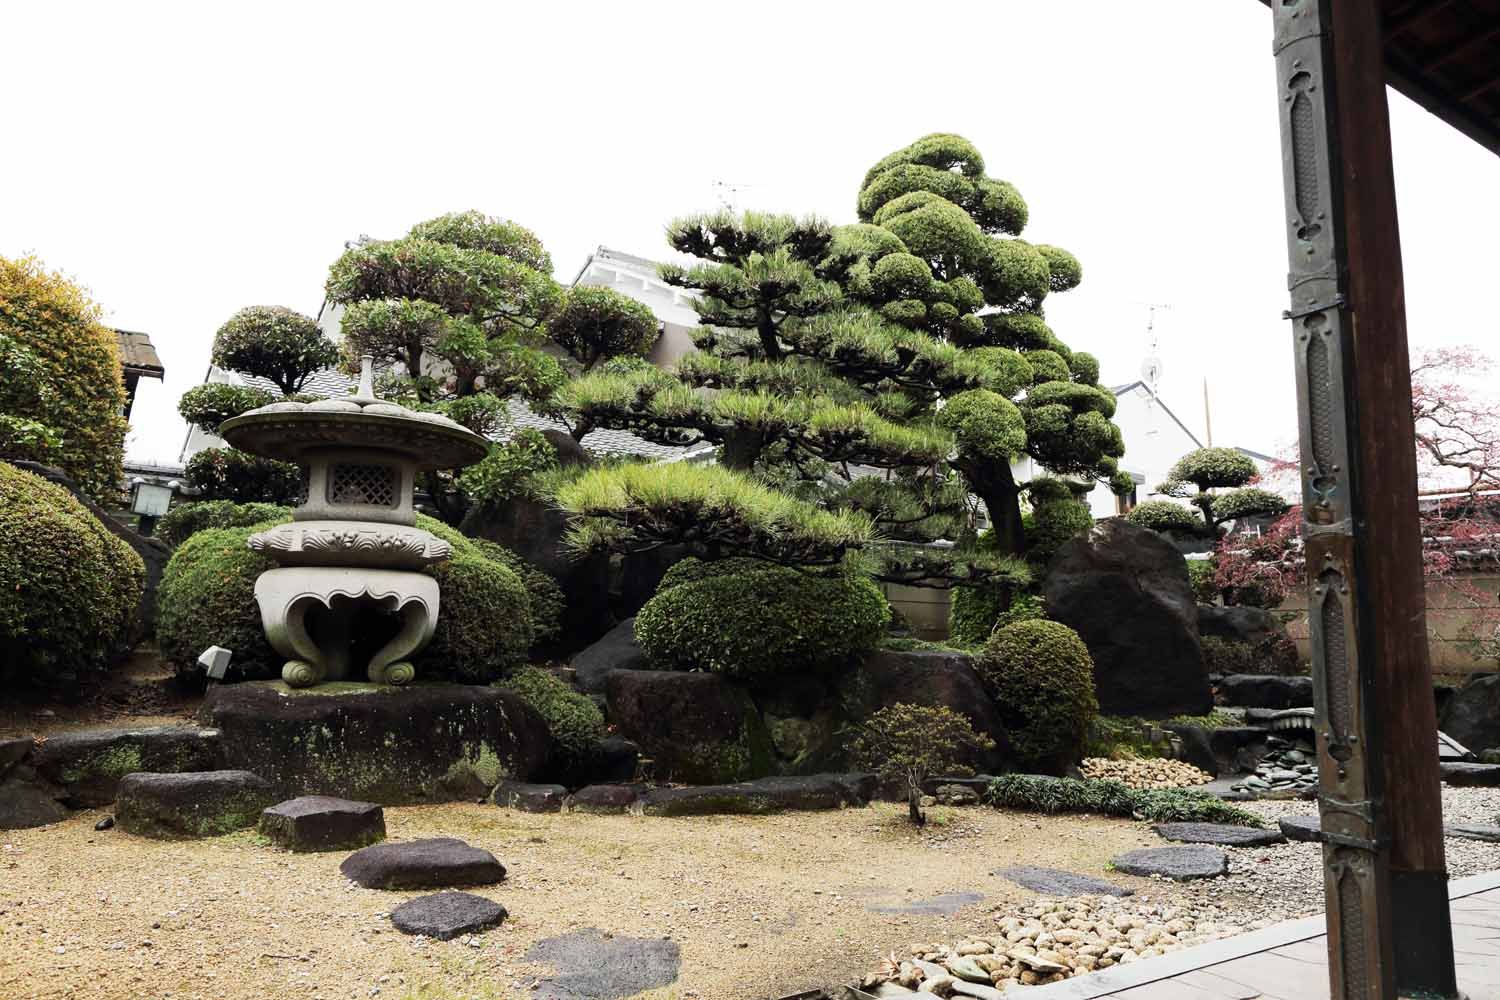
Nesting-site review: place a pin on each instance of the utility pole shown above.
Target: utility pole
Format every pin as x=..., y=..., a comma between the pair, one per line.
x=1208, y=424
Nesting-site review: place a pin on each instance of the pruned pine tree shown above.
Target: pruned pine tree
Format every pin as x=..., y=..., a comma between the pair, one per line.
x=889, y=368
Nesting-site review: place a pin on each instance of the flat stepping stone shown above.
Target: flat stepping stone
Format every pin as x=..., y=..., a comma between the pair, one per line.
x=446, y=915
x=322, y=823
x=1223, y=834
x=436, y=863
x=1472, y=831
x=1481, y=775
x=1056, y=882
x=1303, y=828
x=529, y=798
x=603, y=799
x=1181, y=864
x=588, y=964
x=194, y=804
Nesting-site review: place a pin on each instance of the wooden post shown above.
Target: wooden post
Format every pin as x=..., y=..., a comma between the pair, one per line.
x=1385, y=875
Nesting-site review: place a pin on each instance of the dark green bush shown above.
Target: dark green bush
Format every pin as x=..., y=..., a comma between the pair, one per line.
x=1042, y=679
x=1164, y=515
x=230, y=474
x=1201, y=574
x=207, y=598
x=1038, y=793
x=745, y=618
x=208, y=405
x=972, y=613
x=185, y=520
x=575, y=722
x=547, y=599
x=1229, y=656
x=1057, y=516
x=69, y=588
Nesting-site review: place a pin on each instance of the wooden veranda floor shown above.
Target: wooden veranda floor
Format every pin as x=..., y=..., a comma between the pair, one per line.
x=1289, y=961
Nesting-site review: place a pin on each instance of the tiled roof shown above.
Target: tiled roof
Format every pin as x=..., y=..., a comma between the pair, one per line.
x=328, y=383
x=137, y=355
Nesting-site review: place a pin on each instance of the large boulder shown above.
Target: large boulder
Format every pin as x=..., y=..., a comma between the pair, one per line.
x=1124, y=589
x=1472, y=713
x=765, y=795
x=696, y=728
x=931, y=679
x=390, y=746
x=617, y=650
x=26, y=798
x=196, y=804
x=88, y=764
x=1266, y=691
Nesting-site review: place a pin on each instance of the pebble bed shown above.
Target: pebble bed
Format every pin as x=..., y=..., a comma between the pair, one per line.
x=1051, y=939
x=1145, y=772
x=1289, y=770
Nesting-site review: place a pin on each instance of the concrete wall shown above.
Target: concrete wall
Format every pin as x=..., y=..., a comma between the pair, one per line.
x=1452, y=622
x=925, y=608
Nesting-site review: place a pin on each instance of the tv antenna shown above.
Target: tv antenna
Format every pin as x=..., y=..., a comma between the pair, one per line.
x=1152, y=367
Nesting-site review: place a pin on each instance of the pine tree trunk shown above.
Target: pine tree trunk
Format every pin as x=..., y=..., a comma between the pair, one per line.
x=993, y=483
x=740, y=450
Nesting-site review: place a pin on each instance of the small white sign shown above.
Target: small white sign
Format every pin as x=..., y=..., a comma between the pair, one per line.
x=215, y=659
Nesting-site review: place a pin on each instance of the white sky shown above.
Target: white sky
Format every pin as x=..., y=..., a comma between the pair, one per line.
x=185, y=160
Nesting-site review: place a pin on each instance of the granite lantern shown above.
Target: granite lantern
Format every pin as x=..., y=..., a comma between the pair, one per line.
x=353, y=546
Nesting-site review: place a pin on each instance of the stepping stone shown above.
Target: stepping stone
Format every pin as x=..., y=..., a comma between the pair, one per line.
x=1472, y=831
x=1056, y=882
x=529, y=798
x=1181, y=864
x=601, y=799
x=194, y=804
x=1484, y=775
x=446, y=915
x=944, y=905
x=1304, y=828
x=422, y=864
x=321, y=823
x=1223, y=834
x=587, y=963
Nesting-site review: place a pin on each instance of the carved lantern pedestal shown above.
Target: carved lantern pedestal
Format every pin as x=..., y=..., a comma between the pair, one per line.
x=352, y=558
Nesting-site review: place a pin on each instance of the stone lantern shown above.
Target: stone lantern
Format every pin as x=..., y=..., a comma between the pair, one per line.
x=353, y=546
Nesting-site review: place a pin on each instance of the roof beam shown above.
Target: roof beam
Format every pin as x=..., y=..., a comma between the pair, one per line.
x=1411, y=14
x=1462, y=49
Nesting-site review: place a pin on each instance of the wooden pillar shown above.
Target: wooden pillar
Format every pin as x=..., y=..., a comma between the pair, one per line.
x=1385, y=875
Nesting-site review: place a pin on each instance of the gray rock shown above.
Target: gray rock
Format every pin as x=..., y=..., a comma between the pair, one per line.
x=195, y=804
x=320, y=823
x=89, y=763
x=1304, y=828
x=1257, y=627
x=1266, y=691
x=617, y=650
x=956, y=795
x=1124, y=589
x=1223, y=834
x=1180, y=864
x=977, y=990
x=446, y=915
x=590, y=966
x=13, y=751
x=1483, y=775
x=614, y=761
x=1472, y=831
x=27, y=803
x=764, y=795
x=603, y=799
x=436, y=863
x=529, y=798
x=1471, y=714
x=1056, y=882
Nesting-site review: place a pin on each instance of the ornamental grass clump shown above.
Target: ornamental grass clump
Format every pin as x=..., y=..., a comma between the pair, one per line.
x=746, y=618
x=1040, y=793
x=69, y=589
x=1042, y=679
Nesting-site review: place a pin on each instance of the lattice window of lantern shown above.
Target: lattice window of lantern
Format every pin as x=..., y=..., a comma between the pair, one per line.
x=374, y=485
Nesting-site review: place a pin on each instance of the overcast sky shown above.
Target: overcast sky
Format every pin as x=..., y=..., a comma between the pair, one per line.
x=185, y=160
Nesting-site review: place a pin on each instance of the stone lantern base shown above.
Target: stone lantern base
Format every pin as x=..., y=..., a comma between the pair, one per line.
x=319, y=649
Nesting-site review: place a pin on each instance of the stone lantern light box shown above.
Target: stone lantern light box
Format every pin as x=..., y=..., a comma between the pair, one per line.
x=353, y=546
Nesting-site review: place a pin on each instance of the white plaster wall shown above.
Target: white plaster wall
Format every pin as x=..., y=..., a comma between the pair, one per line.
x=1153, y=444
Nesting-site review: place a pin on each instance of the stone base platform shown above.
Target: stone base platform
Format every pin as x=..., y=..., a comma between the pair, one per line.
x=376, y=743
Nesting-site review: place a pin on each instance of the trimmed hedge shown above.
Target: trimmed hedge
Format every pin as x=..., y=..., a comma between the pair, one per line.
x=574, y=720
x=1164, y=515
x=1057, y=517
x=747, y=618
x=1042, y=679
x=69, y=588
x=1039, y=793
x=207, y=597
x=187, y=519
x=238, y=476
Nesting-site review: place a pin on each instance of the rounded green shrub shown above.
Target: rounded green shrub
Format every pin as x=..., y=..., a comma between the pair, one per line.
x=746, y=618
x=1057, y=517
x=187, y=519
x=484, y=625
x=1163, y=515
x=972, y=613
x=1229, y=656
x=575, y=722
x=234, y=475
x=546, y=596
x=1042, y=679
x=207, y=598
x=69, y=588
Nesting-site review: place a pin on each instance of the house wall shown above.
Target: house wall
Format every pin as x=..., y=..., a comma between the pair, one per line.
x=1153, y=444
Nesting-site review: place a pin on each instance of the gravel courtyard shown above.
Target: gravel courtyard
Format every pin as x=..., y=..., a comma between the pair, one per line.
x=757, y=906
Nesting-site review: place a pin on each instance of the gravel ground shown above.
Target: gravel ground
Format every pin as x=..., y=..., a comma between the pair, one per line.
x=758, y=905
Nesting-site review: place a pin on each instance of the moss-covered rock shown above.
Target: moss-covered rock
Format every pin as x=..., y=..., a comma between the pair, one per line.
x=196, y=804
x=696, y=728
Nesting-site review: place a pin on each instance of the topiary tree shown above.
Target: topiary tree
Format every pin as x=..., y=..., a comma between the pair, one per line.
x=1058, y=516
x=910, y=743
x=751, y=619
x=69, y=588
x=1042, y=679
x=1163, y=515
x=274, y=343
x=911, y=343
x=545, y=596
x=62, y=395
x=1219, y=468
x=595, y=324
x=240, y=477
x=208, y=405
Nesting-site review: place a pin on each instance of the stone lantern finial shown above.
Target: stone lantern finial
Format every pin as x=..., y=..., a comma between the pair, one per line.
x=366, y=378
